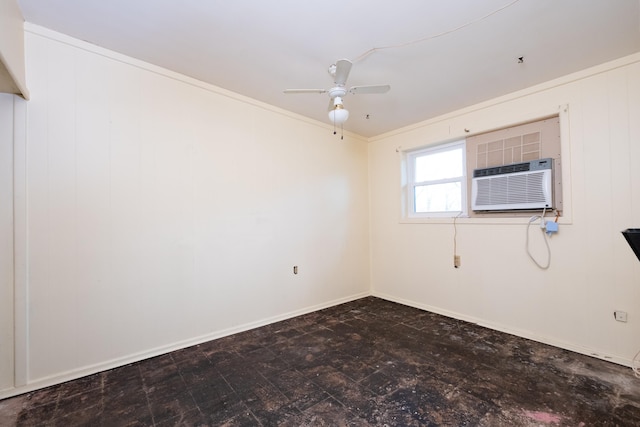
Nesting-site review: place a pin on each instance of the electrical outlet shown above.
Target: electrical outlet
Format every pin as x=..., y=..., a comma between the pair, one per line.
x=620, y=316
x=456, y=261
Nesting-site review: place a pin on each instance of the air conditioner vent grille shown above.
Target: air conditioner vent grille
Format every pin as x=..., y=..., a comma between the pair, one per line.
x=511, y=189
x=530, y=187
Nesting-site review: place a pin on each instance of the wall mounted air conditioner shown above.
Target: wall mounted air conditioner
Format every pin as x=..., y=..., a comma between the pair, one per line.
x=526, y=185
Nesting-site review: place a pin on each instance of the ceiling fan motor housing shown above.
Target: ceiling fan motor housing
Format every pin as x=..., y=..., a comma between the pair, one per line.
x=337, y=91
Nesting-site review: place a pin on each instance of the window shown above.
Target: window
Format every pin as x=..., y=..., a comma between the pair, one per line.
x=436, y=181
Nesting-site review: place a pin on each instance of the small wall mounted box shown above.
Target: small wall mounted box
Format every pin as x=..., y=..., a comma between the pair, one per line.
x=551, y=227
x=620, y=316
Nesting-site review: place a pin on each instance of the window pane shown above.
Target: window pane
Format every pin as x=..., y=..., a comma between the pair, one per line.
x=438, y=198
x=442, y=165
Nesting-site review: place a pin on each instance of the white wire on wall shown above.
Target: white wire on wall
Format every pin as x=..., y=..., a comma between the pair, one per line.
x=635, y=365
x=455, y=239
x=544, y=236
x=431, y=37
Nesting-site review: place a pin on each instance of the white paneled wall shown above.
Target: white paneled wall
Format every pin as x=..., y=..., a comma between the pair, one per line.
x=593, y=271
x=6, y=242
x=163, y=212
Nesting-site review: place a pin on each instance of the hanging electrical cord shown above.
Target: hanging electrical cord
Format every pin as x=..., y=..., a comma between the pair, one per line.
x=636, y=365
x=444, y=33
x=544, y=236
x=455, y=235
x=456, y=260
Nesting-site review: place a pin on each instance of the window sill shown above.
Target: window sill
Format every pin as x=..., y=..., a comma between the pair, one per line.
x=521, y=219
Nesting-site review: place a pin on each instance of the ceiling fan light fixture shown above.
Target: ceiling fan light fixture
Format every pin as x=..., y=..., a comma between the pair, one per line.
x=340, y=73
x=338, y=115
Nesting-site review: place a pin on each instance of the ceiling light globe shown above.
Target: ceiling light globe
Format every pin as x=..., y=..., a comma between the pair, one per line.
x=338, y=116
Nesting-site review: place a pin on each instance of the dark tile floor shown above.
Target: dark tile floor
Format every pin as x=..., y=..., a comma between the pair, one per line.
x=367, y=362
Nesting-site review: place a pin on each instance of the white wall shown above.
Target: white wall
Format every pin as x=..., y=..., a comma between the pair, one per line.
x=6, y=242
x=593, y=271
x=162, y=212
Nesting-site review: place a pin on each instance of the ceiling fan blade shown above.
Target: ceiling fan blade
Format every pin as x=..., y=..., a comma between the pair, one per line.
x=356, y=90
x=343, y=67
x=305, y=91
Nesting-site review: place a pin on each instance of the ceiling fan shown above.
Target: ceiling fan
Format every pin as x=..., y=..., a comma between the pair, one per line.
x=340, y=72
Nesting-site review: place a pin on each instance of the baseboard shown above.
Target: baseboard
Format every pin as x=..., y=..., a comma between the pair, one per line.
x=509, y=330
x=147, y=354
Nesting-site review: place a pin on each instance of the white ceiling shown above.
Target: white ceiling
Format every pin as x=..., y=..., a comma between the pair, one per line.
x=455, y=53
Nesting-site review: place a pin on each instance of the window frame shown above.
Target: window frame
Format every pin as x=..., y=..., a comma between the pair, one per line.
x=411, y=184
